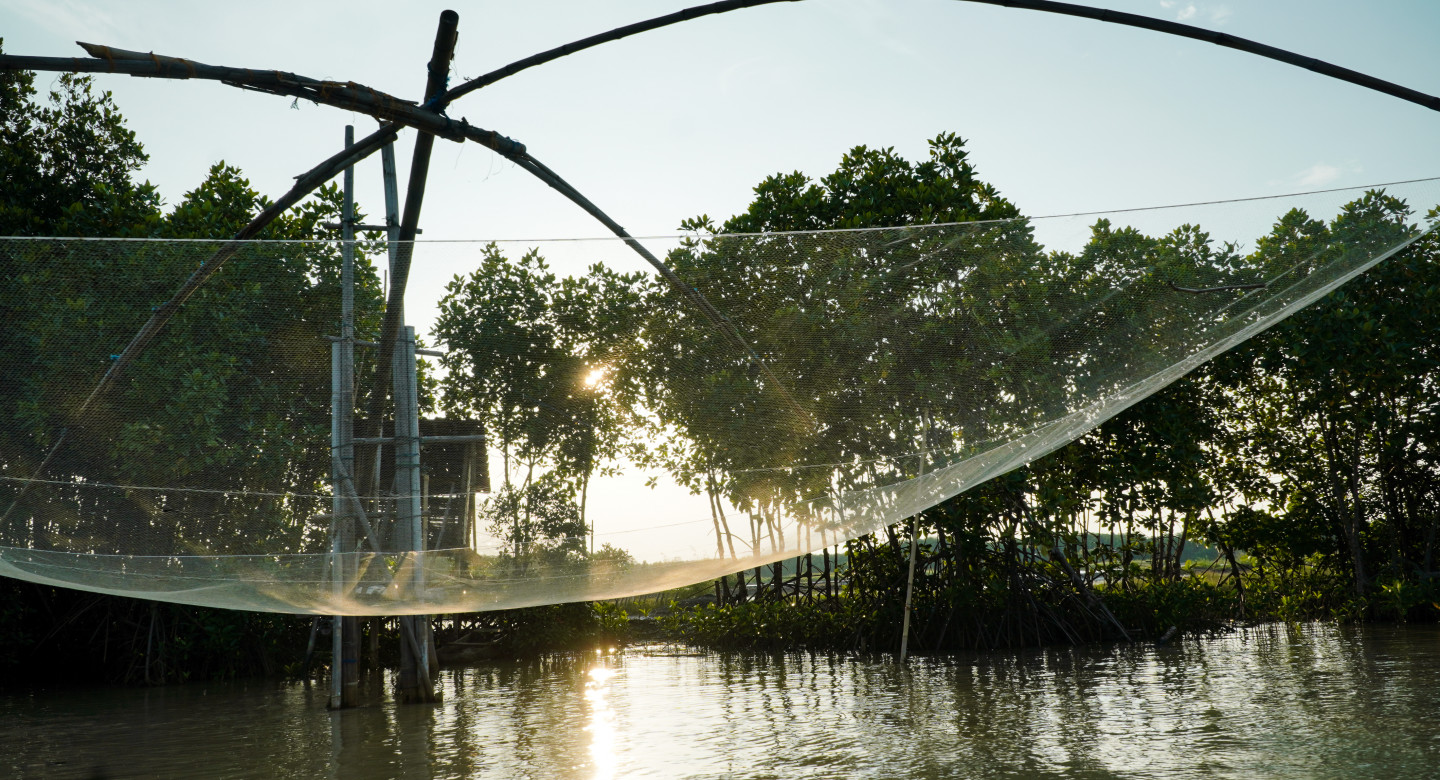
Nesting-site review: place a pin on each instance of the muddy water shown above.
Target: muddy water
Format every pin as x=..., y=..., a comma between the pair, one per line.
x=1310, y=702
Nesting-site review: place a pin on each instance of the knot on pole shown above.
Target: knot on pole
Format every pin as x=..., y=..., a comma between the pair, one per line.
x=437, y=102
x=505, y=146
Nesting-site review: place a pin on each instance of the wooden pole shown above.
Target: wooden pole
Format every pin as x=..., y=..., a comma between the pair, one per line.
x=914, y=542
x=616, y=34
x=344, y=95
x=392, y=239
x=358, y=97
x=467, y=533
x=1221, y=39
x=439, y=74
x=392, y=202
x=338, y=508
x=414, y=684
x=345, y=423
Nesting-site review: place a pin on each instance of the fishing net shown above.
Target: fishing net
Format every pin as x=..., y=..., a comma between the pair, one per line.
x=844, y=381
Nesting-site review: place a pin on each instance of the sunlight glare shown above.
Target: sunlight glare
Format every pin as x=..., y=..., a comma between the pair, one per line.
x=601, y=725
x=596, y=377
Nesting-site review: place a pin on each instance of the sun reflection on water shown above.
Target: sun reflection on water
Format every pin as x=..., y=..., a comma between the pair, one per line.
x=601, y=720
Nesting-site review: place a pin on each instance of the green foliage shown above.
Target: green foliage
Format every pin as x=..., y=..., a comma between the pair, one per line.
x=770, y=625
x=539, y=522
x=206, y=406
x=536, y=359
x=1305, y=456
x=232, y=394
x=813, y=300
x=611, y=557
x=1191, y=604
x=874, y=188
x=1335, y=429
x=67, y=163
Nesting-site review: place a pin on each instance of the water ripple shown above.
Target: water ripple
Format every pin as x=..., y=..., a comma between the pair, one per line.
x=1282, y=702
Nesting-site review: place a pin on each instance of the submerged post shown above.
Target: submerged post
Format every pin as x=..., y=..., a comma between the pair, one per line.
x=337, y=508
x=414, y=684
x=350, y=625
x=397, y=355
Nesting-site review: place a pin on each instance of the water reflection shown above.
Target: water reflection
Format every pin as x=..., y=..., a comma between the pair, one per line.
x=1279, y=702
x=601, y=724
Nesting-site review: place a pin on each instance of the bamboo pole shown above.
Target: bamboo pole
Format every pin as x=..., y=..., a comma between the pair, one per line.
x=393, y=365
x=414, y=684
x=358, y=97
x=914, y=542
x=392, y=239
x=595, y=40
x=337, y=509
x=344, y=422
x=392, y=203
x=467, y=525
x=439, y=74
x=1221, y=39
x=348, y=95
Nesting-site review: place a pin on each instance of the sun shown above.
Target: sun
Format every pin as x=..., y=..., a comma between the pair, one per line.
x=596, y=377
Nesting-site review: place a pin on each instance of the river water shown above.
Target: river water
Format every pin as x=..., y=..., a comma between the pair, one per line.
x=1316, y=701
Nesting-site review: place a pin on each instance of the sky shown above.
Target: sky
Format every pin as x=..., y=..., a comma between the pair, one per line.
x=1060, y=114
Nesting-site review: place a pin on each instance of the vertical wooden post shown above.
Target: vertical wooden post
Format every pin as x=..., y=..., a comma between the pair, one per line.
x=337, y=509
x=350, y=639
x=825, y=560
x=809, y=577
x=914, y=541
x=467, y=533
x=439, y=74
x=392, y=203
x=345, y=640
x=414, y=684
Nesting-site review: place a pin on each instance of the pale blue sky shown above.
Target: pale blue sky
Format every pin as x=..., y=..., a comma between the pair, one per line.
x=1061, y=114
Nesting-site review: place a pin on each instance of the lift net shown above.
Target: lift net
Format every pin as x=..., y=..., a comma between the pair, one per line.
x=852, y=379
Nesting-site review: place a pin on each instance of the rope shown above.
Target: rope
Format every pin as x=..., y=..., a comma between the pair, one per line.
x=682, y=236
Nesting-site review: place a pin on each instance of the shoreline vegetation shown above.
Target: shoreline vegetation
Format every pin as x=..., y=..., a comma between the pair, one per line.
x=1304, y=460
x=57, y=634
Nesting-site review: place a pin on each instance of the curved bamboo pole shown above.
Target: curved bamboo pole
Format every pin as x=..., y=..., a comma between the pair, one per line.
x=1222, y=39
x=595, y=40
x=1047, y=6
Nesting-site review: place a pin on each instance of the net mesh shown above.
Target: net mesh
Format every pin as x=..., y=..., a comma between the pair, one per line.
x=852, y=379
